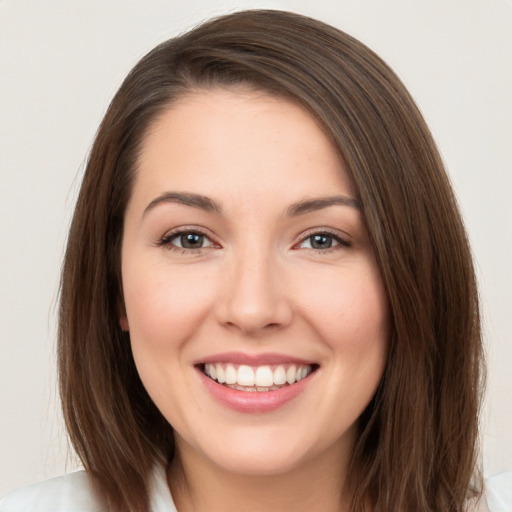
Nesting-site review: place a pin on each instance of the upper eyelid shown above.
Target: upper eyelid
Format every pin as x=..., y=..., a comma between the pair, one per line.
x=188, y=229
x=335, y=233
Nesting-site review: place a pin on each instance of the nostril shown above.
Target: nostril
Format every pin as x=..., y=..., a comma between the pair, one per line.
x=253, y=328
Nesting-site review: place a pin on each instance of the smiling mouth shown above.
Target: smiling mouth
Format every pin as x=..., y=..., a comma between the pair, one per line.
x=257, y=378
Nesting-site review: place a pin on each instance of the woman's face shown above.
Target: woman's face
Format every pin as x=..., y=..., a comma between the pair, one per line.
x=256, y=311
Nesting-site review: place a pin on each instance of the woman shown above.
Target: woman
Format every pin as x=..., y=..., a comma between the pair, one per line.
x=268, y=300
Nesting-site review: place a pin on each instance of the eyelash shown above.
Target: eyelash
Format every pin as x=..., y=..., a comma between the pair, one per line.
x=167, y=239
x=342, y=243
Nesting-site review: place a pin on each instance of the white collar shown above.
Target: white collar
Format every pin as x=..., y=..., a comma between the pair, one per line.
x=161, y=499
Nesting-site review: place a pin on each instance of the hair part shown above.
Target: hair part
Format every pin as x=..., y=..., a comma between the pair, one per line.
x=418, y=437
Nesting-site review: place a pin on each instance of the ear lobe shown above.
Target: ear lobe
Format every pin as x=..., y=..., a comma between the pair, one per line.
x=123, y=322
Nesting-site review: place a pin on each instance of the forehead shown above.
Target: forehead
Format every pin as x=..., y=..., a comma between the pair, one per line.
x=225, y=139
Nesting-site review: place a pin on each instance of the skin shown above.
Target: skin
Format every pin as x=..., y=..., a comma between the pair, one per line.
x=256, y=285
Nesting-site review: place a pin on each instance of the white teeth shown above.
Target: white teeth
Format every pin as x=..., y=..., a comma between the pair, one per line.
x=230, y=374
x=208, y=369
x=245, y=376
x=279, y=376
x=261, y=378
x=264, y=376
x=290, y=374
x=303, y=372
x=221, y=374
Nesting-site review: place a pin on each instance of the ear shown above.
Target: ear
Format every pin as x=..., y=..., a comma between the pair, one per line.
x=123, y=319
x=123, y=322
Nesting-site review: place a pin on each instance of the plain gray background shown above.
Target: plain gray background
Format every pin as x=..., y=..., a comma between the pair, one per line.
x=60, y=63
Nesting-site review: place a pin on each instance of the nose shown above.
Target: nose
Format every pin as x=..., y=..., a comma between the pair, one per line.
x=255, y=299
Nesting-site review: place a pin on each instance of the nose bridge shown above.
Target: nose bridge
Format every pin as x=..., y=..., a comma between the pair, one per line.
x=255, y=295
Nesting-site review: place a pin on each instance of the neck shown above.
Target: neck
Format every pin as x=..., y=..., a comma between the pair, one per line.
x=198, y=485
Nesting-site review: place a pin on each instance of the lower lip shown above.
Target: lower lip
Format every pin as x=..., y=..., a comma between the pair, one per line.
x=254, y=401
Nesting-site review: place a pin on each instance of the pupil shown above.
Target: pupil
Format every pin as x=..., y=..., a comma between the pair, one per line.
x=191, y=240
x=321, y=242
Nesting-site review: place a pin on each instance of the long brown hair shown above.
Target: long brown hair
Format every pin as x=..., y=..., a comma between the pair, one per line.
x=418, y=437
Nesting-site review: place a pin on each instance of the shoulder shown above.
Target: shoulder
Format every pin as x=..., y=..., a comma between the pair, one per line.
x=73, y=492
x=498, y=492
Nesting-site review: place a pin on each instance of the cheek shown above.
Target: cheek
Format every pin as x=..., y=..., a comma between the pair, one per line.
x=164, y=313
x=352, y=318
x=164, y=309
x=351, y=310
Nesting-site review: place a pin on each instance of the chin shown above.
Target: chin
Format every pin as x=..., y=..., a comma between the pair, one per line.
x=260, y=451
x=259, y=463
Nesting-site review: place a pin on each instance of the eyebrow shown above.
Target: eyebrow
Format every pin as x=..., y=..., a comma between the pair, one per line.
x=188, y=199
x=311, y=205
x=209, y=205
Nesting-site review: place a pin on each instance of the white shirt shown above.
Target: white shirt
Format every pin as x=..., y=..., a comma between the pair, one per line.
x=74, y=493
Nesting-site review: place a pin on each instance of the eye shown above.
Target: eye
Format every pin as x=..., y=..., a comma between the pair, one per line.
x=322, y=241
x=189, y=240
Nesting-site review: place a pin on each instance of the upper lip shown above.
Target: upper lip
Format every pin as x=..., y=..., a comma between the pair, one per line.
x=266, y=358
